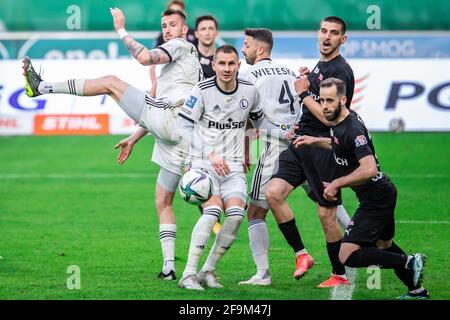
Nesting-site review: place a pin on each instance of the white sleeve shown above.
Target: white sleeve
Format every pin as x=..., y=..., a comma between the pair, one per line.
x=174, y=48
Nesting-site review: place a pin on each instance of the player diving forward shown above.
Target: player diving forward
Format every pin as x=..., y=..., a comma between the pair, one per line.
x=368, y=239
x=215, y=117
x=181, y=71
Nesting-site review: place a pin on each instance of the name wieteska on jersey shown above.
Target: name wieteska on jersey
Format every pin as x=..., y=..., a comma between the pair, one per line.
x=275, y=84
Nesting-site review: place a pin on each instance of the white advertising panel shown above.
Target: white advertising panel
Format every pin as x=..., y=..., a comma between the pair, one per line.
x=415, y=92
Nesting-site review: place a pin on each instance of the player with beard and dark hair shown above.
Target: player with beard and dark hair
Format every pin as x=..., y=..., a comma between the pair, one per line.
x=313, y=164
x=368, y=239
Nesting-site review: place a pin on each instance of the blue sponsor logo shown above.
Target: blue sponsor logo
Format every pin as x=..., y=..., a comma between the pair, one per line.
x=190, y=102
x=360, y=140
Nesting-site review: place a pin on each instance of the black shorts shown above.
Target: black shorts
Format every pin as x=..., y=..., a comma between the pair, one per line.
x=373, y=221
x=315, y=165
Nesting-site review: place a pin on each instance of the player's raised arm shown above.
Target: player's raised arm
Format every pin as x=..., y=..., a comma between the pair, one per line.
x=138, y=51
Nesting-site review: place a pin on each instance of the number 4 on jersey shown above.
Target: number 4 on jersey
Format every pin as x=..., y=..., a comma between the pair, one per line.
x=289, y=99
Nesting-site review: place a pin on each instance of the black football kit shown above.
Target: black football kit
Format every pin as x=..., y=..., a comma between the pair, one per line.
x=314, y=164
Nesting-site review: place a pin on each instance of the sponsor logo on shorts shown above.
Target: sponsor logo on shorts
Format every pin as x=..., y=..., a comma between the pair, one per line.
x=360, y=140
x=190, y=102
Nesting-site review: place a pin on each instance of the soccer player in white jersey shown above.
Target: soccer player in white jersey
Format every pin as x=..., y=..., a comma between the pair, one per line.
x=281, y=106
x=181, y=71
x=214, y=117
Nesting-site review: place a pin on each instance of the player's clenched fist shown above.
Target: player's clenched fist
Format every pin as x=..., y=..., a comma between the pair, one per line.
x=118, y=17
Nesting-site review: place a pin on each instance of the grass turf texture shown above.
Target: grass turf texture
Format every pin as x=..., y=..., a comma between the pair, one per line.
x=64, y=201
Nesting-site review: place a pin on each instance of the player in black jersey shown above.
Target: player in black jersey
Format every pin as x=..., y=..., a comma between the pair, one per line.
x=368, y=237
x=206, y=31
x=314, y=164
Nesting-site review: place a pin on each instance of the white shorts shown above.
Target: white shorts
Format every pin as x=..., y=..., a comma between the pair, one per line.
x=170, y=157
x=161, y=120
x=233, y=185
x=266, y=167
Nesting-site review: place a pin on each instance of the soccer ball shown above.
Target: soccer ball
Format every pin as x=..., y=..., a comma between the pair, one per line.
x=196, y=186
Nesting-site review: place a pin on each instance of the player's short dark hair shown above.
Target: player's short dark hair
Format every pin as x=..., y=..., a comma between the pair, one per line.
x=340, y=85
x=177, y=2
x=206, y=17
x=261, y=34
x=226, y=48
x=170, y=12
x=337, y=20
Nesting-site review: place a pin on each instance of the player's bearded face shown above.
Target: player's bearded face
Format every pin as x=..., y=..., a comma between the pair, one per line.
x=330, y=38
x=173, y=27
x=249, y=50
x=226, y=66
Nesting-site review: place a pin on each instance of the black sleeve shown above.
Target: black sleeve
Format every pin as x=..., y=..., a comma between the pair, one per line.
x=358, y=143
x=346, y=74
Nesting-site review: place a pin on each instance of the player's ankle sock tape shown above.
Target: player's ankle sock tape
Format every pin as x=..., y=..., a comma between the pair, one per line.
x=333, y=254
x=365, y=257
x=292, y=235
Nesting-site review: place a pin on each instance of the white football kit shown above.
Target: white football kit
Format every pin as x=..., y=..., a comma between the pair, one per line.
x=281, y=107
x=160, y=116
x=220, y=118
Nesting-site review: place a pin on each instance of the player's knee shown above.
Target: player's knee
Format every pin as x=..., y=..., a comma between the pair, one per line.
x=327, y=217
x=255, y=212
x=273, y=196
x=162, y=203
x=384, y=244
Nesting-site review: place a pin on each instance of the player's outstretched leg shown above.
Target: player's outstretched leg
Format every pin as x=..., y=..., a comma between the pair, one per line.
x=258, y=235
x=130, y=99
x=353, y=255
x=276, y=194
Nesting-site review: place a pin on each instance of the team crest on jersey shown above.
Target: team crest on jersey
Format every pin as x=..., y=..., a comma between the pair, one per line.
x=190, y=102
x=360, y=140
x=243, y=104
x=316, y=70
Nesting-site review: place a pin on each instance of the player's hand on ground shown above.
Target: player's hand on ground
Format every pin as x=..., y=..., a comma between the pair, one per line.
x=303, y=141
x=304, y=71
x=291, y=133
x=330, y=192
x=219, y=164
x=301, y=84
x=118, y=18
x=126, y=146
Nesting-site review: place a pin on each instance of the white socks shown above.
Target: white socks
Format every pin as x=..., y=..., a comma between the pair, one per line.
x=259, y=244
x=167, y=235
x=226, y=236
x=71, y=86
x=200, y=237
x=342, y=216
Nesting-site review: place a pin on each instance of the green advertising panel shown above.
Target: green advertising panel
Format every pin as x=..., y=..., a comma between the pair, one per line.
x=50, y=15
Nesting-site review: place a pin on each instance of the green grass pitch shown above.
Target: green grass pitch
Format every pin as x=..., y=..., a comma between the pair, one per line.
x=64, y=201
